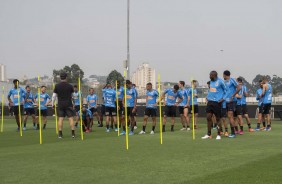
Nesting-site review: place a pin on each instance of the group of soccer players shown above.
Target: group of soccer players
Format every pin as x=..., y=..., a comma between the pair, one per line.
x=226, y=99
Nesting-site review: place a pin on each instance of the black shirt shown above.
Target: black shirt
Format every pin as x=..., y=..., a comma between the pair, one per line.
x=64, y=92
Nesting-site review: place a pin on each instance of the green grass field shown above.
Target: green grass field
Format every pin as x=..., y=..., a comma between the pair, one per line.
x=102, y=158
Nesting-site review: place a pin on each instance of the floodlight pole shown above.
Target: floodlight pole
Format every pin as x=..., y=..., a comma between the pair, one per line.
x=128, y=38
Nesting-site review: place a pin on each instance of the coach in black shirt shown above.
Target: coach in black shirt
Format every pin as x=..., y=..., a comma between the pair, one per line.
x=64, y=92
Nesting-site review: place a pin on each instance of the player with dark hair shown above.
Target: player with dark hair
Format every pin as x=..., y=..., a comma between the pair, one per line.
x=92, y=101
x=193, y=102
x=86, y=118
x=64, y=92
x=29, y=107
x=131, y=102
x=77, y=100
x=170, y=105
x=231, y=101
x=259, y=98
x=183, y=107
x=216, y=95
x=16, y=99
x=151, y=108
x=267, y=101
x=44, y=100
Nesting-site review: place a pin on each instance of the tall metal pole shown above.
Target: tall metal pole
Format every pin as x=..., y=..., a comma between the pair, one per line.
x=128, y=38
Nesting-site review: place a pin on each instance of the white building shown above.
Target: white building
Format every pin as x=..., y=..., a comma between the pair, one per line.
x=143, y=75
x=3, y=76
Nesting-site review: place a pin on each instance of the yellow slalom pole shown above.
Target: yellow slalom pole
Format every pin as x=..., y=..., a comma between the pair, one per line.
x=56, y=115
x=80, y=109
x=19, y=105
x=125, y=110
x=160, y=109
x=193, y=113
x=39, y=112
x=117, y=107
x=3, y=103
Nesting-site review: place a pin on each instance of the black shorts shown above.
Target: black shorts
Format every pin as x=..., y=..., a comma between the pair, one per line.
x=214, y=108
x=110, y=111
x=121, y=108
x=266, y=109
x=66, y=111
x=44, y=112
x=103, y=110
x=239, y=110
x=16, y=110
x=223, y=113
x=181, y=109
x=29, y=111
x=77, y=108
x=129, y=112
x=93, y=110
x=244, y=109
x=170, y=111
x=231, y=106
x=260, y=109
x=150, y=112
x=196, y=109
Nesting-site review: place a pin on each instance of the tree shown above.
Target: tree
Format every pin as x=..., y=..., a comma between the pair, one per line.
x=115, y=76
x=276, y=83
x=74, y=72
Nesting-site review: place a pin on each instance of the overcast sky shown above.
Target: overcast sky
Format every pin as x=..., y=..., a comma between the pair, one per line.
x=179, y=38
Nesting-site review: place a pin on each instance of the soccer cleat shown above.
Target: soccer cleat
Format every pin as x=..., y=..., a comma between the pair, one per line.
x=60, y=137
x=183, y=129
x=135, y=127
x=267, y=129
x=188, y=129
x=116, y=130
x=107, y=130
x=122, y=133
x=18, y=129
x=251, y=130
x=241, y=132
x=262, y=128
x=207, y=137
x=221, y=133
x=226, y=134
x=195, y=127
x=232, y=136
x=131, y=133
x=236, y=132
x=34, y=127
x=257, y=129
x=24, y=128
x=100, y=125
x=142, y=132
x=152, y=132
x=73, y=136
x=218, y=137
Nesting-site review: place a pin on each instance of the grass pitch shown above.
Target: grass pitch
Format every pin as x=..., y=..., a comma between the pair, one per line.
x=102, y=158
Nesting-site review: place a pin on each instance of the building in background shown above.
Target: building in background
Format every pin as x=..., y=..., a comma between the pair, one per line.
x=143, y=75
x=3, y=76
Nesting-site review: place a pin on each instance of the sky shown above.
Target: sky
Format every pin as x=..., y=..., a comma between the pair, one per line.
x=181, y=39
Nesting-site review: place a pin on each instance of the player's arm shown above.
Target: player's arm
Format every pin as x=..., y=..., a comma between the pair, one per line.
x=238, y=88
x=9, y=97
x=225, y=92
x=246, y=94
x=180, y=99
x=264, y=88
x=54, y=97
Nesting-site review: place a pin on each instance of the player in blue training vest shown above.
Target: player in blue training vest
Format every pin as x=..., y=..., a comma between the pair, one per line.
x=16, y=100
x=170, y=105
x=231, y=102
x=195, y=100
x=135, y=114
x=110, y=107
x=239, y=111
x=44, y=101
x=86, y=118
x=29, y=107
x=244, y=104
x=77, y=99
x=183, y=107
x=267, y=101
x=151, y=108
x=131, y=102
x=92, y=101
x=259, y=98
x=216, y=95
x=120, y=96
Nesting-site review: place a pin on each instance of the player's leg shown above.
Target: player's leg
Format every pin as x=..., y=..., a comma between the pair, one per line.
x=154, y=121
x=196, y=114
x=44, y=115
x=230, y=116
x=173, y=115
x=145, y=121
x=25, y=118
x=70, y=114
x=182, y=118
x=107, y=114
x=165, y=117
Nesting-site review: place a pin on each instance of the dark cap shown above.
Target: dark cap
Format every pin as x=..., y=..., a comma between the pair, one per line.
x=128, y=82
x=16, y=81
x=63, y=75
x=84, y=106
